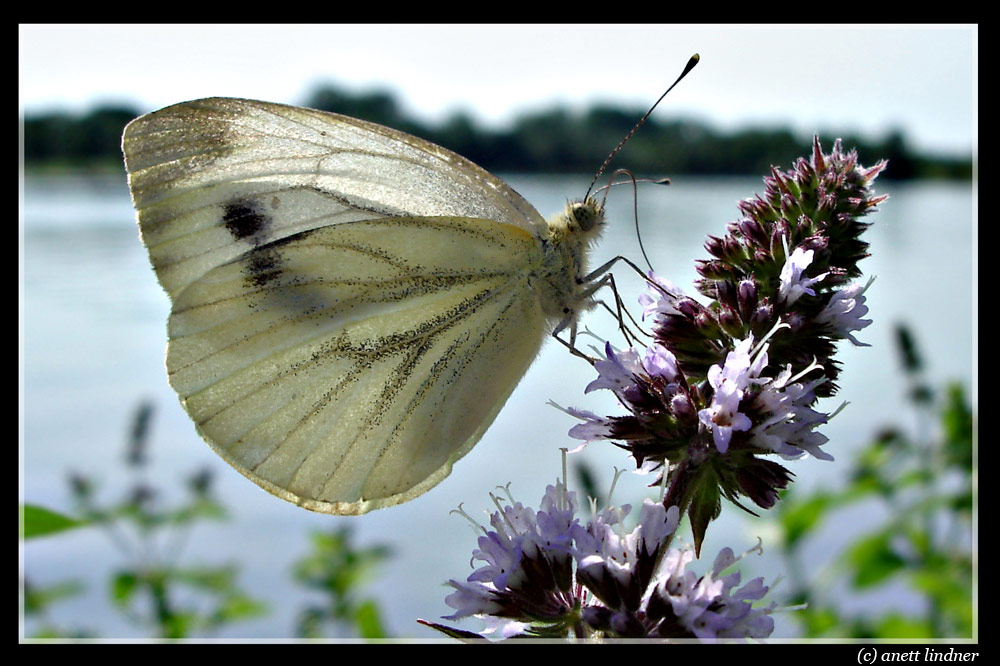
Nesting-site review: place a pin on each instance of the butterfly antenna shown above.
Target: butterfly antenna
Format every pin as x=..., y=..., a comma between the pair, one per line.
x=635, y=200
x=687, y=68
x=638, y=233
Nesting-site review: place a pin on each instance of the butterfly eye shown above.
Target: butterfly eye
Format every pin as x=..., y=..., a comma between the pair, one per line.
x=585, y=214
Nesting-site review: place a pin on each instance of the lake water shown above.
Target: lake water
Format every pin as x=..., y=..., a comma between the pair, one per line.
x=93, y=325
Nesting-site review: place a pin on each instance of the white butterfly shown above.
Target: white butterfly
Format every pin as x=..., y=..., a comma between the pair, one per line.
x=351, y=305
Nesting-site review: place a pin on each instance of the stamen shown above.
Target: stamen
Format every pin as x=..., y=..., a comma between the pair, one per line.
x=503, y=514
x=812, y=366
x=774, y=329
x=506, y=491
x=460, y=511
x=614, y=482
x=562, y=409
x=561, y=487
x=759, y=549
x=663, y=486
x=838, y=410
x=868, y=284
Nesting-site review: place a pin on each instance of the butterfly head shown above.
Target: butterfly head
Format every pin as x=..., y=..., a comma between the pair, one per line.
x=579, y=224
x=585, y=216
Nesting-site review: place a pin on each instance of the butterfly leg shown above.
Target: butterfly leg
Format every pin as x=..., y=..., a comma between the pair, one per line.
x=596, y=280
x=609, y=279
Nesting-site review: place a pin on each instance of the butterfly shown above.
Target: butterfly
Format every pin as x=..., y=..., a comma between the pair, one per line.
x=351, y=306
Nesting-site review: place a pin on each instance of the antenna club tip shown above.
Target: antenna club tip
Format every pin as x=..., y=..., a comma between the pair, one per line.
x=690, y=64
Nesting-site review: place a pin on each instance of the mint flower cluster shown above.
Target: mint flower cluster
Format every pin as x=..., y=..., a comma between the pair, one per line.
x=547, y=574
x=718, y=391
x=722, y=385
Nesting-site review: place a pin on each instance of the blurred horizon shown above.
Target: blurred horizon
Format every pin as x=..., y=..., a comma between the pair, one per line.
x=862, y=80
x=550, y=141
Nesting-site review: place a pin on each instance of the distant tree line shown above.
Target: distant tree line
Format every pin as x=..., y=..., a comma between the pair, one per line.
x=554, y=140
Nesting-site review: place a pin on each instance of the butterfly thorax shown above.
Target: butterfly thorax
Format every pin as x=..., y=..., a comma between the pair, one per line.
x=571, y=233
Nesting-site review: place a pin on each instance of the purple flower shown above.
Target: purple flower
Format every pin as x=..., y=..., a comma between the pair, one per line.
x=723, y=416
x=711, y=606
x=845, y=310
x=527, y=566
x=714, y=386
x=662, y=299
x=660, y=362
x=627, y=582
x=730, y=382
x=617, y=373
x=793, y=282
x=787, y=422
x=594, y=427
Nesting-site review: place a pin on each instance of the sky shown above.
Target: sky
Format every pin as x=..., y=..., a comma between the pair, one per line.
x=852, y=79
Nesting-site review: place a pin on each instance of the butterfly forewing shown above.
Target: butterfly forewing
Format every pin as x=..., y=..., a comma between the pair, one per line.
x=213, y=178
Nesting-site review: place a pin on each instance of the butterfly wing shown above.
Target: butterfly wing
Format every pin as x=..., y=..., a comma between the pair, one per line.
x=351, y=305
x=213, y=178
x=364, y=362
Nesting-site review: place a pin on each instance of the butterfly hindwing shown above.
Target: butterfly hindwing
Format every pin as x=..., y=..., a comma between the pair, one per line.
x=348, y=367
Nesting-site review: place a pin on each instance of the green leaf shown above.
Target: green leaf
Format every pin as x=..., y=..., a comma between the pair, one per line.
x=800, y=517
x=705, y=505
x=123, y=586
x=948, y=584
x=178, y=625
x=208, y=579
x=38, y=521
x=201, y=508
x=874, y=560
x=310, y=623
x=818, y=621
x=957, y=422
x=369, y=621
x=239, y=607
x=38, y=598
x=894, y=625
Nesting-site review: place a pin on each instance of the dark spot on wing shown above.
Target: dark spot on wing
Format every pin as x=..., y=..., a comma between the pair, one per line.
x=263, y=266
x=245, y=218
